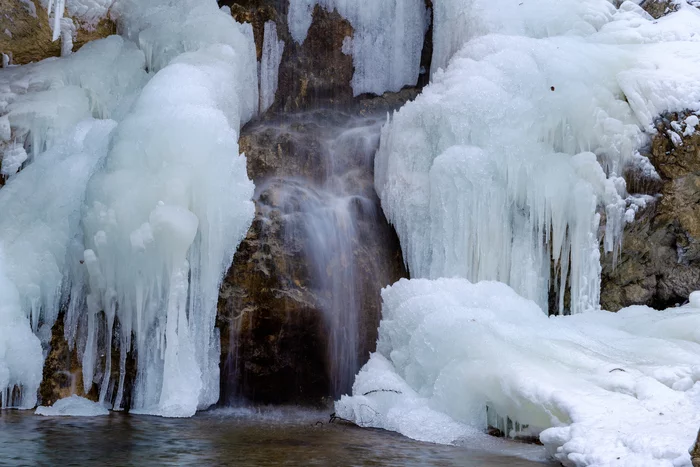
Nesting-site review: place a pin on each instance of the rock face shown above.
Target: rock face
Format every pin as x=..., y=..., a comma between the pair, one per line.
x=25, y=32
x=316, y=72
x=311, y=73
x=695, y=454
x=273, y=314
x=659, y=263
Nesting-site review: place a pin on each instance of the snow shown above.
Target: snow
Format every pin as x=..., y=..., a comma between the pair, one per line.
x=599, y=388
x=269, y=66
x=493, y=174
x=73, y=406
x=387, y=42
x=129, y=205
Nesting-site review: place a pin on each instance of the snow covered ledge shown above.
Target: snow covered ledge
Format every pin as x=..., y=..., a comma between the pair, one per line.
x=604, y=389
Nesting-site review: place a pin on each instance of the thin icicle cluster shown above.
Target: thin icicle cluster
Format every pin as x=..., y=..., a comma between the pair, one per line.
x=387, y=42
x=269, y=65
x=494, y=172
x=130, y=222
x=168, y=210
x=47, y=126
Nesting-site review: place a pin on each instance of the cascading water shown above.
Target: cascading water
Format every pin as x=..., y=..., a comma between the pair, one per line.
x=329, y=217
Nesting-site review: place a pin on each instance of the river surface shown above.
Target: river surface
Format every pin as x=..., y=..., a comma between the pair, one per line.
x=232, y=437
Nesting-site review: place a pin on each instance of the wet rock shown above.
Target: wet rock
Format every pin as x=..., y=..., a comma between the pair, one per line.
x=313, y=73
x=63, y=374
x=659, y=262
x=659, y=8
x=273, y=313
x=25, y=32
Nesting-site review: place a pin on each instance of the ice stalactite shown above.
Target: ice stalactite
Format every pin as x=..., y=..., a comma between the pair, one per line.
x=50, y=133
x=270, y=65
x=168, y=210
x=493, y=173
x=387, y=42
x=130, y=221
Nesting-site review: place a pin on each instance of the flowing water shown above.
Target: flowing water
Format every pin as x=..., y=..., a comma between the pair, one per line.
x=228, y=437
x=320, y=193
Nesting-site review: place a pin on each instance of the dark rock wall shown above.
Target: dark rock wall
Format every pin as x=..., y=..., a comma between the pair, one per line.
x=659, y=263
x=29, y=38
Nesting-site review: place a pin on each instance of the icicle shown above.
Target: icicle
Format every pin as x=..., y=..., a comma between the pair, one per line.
x=269, y=66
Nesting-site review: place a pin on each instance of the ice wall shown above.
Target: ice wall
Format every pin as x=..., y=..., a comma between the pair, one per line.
x=603, y=389
x=47, y=112
x=132, y=220
x=387, y=41
x=494, y=172
x=167, y=211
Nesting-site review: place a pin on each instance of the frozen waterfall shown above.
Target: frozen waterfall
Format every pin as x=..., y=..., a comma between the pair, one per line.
x=144, y=210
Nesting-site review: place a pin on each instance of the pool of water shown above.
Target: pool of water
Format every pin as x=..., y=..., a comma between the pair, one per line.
x=233, y=437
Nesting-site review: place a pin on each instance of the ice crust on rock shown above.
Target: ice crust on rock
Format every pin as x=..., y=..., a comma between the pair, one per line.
x=41, y=102
x=496, y=171
x=73, y=406
x=603, y=389
x=129, y=221
x=387, y=42
x=270, y=65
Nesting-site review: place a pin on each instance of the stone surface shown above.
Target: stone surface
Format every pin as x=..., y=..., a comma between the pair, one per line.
x=274, y=334
x=29, y=38
x=314, y=73
x=695, y=453
x=659, y=263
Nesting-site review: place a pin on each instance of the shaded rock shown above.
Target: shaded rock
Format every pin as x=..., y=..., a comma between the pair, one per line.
x=659, y=8
x=63, y=375
x=273, y=311
x=659, y=262
x=25, y=32
x=695, y=453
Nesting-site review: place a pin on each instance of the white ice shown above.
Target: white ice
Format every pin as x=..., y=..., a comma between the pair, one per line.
x=599, y=388
x=129, y=203
x=170, y=205
x=387, y=41
x=269, y=65
x=503, y=165
x=73, y=406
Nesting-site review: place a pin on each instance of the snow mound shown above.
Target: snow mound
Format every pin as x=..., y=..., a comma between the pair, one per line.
x=387, y=42
x=599, y=388
x=498, y=169
x=73, y=406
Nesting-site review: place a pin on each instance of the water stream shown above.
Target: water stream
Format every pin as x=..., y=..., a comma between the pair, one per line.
x=321, y=198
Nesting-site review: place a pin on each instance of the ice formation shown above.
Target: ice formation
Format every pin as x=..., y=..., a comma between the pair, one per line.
x=87, y=12
x=132, y=220
x=387, y=42
x=73, y=406
x=168, y=210
x=603, y=389
x=494, y=171
x=270, y=65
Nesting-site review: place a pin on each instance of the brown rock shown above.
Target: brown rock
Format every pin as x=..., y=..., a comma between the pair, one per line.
x=659, y=263
x=275, y=335
x=29, y=38
x=695, y=453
